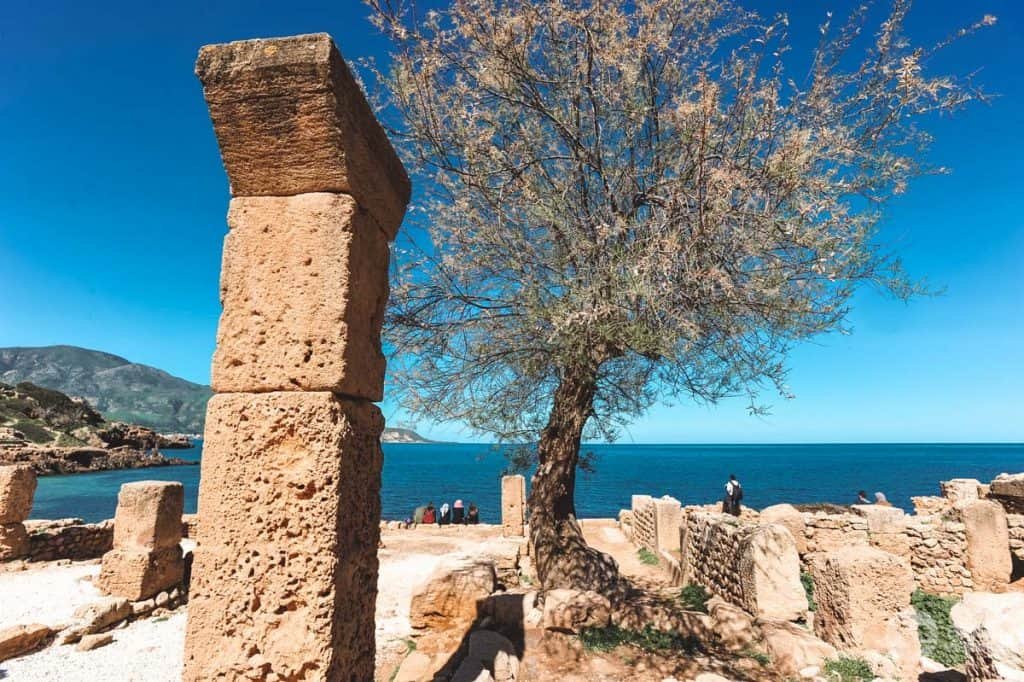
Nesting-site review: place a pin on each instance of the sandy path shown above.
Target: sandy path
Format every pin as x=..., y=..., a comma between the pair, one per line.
x=47, y=595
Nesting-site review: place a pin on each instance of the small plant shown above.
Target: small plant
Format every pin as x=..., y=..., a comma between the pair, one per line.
x=755, y=655
x=847, y=669
x=694, y=598
x=808, y=582
x=939, y=640
x=649, y=639
x=647, y=556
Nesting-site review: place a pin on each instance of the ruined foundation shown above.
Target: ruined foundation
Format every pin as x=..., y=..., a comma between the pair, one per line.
x=285, y=573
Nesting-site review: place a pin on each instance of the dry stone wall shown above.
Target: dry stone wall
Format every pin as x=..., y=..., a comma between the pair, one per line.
x=69, y=539
x=644, y=522
x=1015, y=528
x=285, y=572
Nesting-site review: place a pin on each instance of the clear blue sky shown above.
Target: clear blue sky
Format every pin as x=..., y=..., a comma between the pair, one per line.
x=112, y=204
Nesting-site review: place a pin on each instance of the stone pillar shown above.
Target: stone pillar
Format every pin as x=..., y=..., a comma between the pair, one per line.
x=17, y=488
x=988, y=545
x=668, y=515
x=285, y=572
x=863, y=597
x=513, y=505
x=769, y=574
x=146, y=559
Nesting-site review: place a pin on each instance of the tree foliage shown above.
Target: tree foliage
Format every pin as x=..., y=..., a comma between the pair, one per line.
x=640, y=193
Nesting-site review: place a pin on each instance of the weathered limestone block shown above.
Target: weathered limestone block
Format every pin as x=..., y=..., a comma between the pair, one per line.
x=513, y=505
x=882, y=519
x=928, y=505
x=988, y=545
x=453, y=596
x=668, y=515
x=289, y=569
x=991, y=628
x=149, y=515
x=17, y=488
x=793, y=648
x=1008, y=490
x=22, y=639
x=14, y=541
x=789, y=516
x=291, y=119
x=960, y=490
x=769, y=573
x=570, y=611
x=863, y=597
x=303, y=285
x=139, y=573
x=733, y=627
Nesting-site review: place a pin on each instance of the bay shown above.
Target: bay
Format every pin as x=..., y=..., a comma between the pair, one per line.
x=443, y=472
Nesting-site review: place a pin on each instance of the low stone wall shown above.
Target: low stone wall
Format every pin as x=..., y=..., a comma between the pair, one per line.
x=1016, y=524
x=829, y=532
x=189, y=525
x=938, y=555
x=645, y=531
x=68, y=539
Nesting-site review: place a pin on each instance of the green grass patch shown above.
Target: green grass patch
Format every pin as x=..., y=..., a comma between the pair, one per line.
x=939, y=640
x=647, y=556
x=808, y=582
x=848, y=669
x=649, y=639
x=755, y=655
x=694, y=598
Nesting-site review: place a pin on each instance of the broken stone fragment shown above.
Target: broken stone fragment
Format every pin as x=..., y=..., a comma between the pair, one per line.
x=140, y=574
x=90, y=642
x=22, y=639
x=291, y=119
x=17, y=488
x=304, y=283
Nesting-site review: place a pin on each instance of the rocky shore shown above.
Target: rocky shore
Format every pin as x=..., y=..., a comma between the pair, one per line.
x=49, y=460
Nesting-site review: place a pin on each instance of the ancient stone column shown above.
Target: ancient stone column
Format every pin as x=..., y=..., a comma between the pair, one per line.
x=988, y=545
x=17, y=488
x=146, y=558
x=284, y=580
x=668, y=514
x=513, y=505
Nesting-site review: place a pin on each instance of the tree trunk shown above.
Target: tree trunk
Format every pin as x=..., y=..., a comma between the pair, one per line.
x=562, y=556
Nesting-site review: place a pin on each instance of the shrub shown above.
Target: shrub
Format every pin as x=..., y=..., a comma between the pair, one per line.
x=759, y=656
x=849, y=669
x=694, y=598
x=808, y=582
x=33, y=432
x=647, y=556
x=939, y=640
x=649, y=639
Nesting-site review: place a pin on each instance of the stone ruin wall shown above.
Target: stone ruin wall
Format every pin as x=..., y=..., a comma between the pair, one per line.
x=644, y=530
x=711, y=546
x=1016, y=525
x=69, y=539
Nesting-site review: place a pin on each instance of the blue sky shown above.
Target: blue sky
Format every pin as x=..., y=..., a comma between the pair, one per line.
x=112, y=204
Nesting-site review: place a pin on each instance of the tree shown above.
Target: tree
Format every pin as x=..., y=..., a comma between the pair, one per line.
x=627, y=202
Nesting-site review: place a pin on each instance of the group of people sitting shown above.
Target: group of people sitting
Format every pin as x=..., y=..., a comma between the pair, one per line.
x=456, y=514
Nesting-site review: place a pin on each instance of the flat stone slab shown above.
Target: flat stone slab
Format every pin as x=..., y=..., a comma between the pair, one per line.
x=304, y=283
x=290, y=119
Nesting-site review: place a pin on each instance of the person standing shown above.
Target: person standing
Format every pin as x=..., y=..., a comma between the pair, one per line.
x=733, y=496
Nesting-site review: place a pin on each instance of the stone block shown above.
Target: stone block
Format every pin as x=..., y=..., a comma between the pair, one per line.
x=453, y=596
x=513, y=505
x=769, y=574
x=289, y=568
x=882, y=519
x=988, y=545
x=793, y=649
x=668, y=516
x=138, y=574
x=13, y=541
x=789, y=516
x=22, y=639
x=570, y=611
x=960, y=490
x=304, y=283
x=990, y=627
x=17, y=488
x=863, y=597
x=291, y=119
x=149, y=515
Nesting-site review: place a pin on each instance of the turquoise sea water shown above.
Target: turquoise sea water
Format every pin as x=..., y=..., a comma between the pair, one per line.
x=440, y=472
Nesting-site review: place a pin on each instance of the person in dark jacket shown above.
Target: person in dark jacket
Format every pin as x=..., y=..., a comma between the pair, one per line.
x=473, y=515
x=733, y=496
x=445, y=517
x=458, y=512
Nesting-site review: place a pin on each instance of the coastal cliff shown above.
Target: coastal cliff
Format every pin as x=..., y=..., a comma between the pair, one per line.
x=57, y=434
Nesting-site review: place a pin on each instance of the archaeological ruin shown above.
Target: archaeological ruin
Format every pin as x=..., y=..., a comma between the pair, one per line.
x=17, y=488
x=284, y=582
x=513, y=505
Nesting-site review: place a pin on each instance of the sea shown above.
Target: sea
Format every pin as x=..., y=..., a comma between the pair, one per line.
x=415, y=474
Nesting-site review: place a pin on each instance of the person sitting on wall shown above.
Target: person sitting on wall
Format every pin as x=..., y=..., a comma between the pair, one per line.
x=458, y=513
x=881, y=501
x=473, y=515
x=429, y=515
x=445, y=516
x=862, y=497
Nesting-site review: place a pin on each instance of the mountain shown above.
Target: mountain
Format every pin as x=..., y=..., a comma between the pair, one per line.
x=121, y=390
x=125, y=391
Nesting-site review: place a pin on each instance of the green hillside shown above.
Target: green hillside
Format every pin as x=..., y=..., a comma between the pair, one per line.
x=121, y=390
